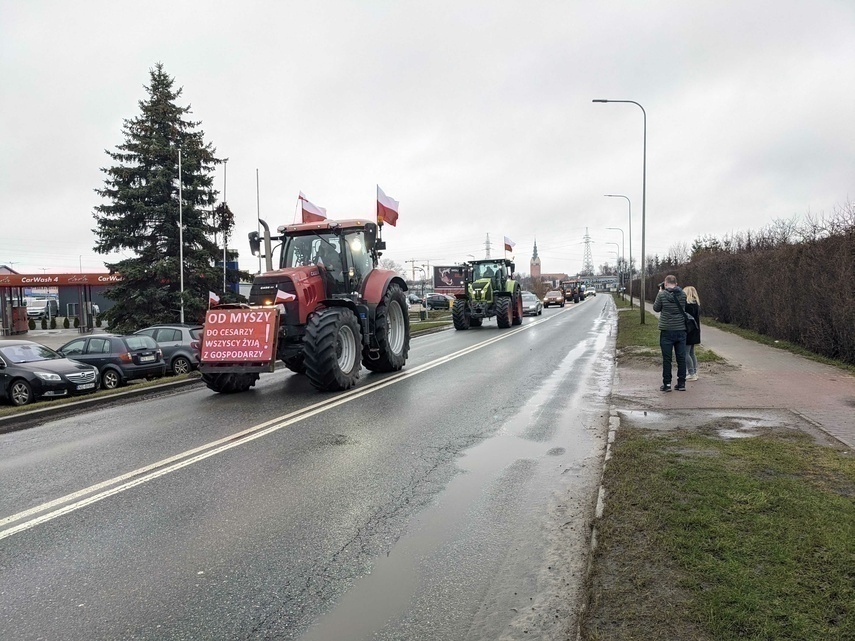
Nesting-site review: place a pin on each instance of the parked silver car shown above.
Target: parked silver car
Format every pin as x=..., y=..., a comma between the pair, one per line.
x=179, y=344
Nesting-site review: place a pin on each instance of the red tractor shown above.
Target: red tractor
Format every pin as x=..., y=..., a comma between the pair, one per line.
x=325, y=311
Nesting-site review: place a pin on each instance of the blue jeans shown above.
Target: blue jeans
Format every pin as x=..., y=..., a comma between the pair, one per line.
x=669, y=340
x=691, y=360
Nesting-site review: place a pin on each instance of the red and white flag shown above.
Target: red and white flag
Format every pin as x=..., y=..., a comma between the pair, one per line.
x=311, y=213
x=387, y=208
x=213, y=299
x=509, y=244
x=283, y=297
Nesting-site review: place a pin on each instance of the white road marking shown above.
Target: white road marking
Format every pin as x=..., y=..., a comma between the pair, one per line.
x=105, y=489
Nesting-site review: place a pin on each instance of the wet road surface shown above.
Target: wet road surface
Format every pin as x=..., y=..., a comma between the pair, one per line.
x=447, y=501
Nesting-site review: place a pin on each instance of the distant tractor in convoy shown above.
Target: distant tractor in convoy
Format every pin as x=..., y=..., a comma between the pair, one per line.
x=325, y=311
x=488, y=290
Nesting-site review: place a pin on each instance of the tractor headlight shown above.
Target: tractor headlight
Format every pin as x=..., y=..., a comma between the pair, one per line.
x=356, y=245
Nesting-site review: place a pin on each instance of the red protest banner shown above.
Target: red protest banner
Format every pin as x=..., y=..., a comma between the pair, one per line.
x=240, y=335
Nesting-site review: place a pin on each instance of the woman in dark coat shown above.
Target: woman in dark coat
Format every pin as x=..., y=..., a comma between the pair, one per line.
x=693, y=337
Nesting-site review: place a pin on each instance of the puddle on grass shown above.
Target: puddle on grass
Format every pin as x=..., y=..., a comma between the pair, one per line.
x=726, y=424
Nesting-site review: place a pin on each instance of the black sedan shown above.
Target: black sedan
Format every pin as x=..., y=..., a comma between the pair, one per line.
x=30, y=371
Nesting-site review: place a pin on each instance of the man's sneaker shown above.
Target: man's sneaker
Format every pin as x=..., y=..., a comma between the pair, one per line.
x=692, y=377
x=681, y=388
x=665, y=388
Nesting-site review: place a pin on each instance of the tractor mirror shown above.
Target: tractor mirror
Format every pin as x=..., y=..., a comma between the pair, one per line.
x=370, y=232
x=254, y=243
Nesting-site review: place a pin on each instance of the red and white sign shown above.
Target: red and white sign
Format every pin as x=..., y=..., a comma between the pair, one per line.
x=311, y=213
x=55, y=280
x=240, y=335
x=387, y=208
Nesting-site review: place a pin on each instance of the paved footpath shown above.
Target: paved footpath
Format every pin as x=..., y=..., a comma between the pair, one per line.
x=757, y=377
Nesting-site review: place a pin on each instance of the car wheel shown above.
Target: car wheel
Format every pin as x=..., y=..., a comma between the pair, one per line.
x=110, y=379
x=181, y=366
x=20, y=393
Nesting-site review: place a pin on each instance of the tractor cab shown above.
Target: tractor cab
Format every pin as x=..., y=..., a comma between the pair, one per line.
x=496, y=272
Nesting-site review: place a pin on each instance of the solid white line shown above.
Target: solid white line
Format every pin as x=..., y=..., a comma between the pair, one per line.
x=184, y=459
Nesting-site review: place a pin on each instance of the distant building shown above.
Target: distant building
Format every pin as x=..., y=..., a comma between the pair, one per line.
x=535, y=264
x=554, y=279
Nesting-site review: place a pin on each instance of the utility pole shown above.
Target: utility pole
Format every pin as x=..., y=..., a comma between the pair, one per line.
x=487, y=246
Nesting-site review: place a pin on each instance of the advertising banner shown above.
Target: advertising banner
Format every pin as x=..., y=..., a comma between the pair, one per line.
x=240, y=335
x=448, y=277
x=55, y=280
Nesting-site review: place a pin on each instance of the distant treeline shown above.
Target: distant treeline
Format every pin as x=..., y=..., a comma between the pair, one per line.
x=793, y=281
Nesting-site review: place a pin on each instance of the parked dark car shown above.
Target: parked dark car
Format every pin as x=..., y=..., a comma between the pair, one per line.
x=531, y=304
x=414, y=299
x=553, y=297
x=439, y=301
x=119, y=358
x=30, y=371
x=179, y=344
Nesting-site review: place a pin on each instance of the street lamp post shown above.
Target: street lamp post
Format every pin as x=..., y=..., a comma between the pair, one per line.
x=181, y=233
x=629, y=265
x=225, y=237
x=643, y=196
x=622, y=252
x=618, y=252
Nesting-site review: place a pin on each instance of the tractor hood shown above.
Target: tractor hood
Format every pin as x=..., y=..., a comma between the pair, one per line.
x=305, y=284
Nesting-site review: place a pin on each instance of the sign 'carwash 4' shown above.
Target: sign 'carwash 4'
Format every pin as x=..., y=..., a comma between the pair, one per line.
x=240, y=335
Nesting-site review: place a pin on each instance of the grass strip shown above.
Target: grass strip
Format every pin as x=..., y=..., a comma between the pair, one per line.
x=707, y=538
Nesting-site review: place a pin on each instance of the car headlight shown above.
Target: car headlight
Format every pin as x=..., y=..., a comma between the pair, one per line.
x=48, y=376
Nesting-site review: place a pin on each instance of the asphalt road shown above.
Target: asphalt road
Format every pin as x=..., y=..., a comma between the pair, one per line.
x=447, y=501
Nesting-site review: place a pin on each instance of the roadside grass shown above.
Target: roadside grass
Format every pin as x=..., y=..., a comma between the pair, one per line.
x=643, y=340
x=7, y=410
x=707, y=538
x=779, y=344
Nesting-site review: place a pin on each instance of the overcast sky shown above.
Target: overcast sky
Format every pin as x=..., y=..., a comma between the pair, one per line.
x=476, y=116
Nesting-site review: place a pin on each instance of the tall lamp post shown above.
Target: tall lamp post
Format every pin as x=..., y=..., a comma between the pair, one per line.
x=629, y=265
x=622, y=252
x=643, y=196
x=181, y=233
x=618, y=252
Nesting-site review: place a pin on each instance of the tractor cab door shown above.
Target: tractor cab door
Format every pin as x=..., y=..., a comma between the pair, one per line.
x=358, y=259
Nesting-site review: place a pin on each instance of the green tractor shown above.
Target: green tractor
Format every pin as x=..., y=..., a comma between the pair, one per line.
x=488, y=290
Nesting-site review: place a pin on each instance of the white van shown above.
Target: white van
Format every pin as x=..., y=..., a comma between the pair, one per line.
x=38, y=308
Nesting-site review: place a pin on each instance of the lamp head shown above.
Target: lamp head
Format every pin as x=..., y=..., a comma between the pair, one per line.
x=599, y=100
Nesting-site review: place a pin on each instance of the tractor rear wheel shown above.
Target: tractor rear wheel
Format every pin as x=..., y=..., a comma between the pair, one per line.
x=460, y=314
x=518, y=310
x=229, y=383
x=392, y=333
x=504, y=315
x=332, y=345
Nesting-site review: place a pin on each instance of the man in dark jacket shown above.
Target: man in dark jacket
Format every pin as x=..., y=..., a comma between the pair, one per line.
x=670, y=303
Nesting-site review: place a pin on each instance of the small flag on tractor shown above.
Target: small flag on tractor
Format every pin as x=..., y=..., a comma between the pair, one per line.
x=387, y=209
x=213, y=299
x=311, y=213
x=283, y=297
x=509, y=244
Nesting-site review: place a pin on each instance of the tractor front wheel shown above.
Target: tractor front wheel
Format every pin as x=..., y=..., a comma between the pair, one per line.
x=460, y=314
x=295, y=364
x=332, y=345
x=229, y=383
x=504, y=314
x=391, y=332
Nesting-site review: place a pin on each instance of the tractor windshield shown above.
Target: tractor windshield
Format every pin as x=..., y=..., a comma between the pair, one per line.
x=314, y=249
x=485, y=270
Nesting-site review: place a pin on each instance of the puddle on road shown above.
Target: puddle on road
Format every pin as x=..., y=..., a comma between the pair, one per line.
x=544, y=439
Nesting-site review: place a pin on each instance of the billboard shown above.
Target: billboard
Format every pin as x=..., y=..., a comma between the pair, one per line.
x=448, y=277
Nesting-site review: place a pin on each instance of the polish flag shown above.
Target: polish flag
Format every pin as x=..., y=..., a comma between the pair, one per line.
x=213, y=299
x=387, y=208
x=283, y=297
x=509, y=244
x=311, y=213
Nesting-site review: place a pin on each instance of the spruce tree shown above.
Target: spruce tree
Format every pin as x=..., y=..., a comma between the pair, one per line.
x=140, y=215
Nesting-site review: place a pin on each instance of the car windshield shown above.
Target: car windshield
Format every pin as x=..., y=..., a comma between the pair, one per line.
x=28, y=353
x=554, y=293
x=527, y=296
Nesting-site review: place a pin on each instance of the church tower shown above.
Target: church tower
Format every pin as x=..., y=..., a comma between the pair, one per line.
x=535, y=263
